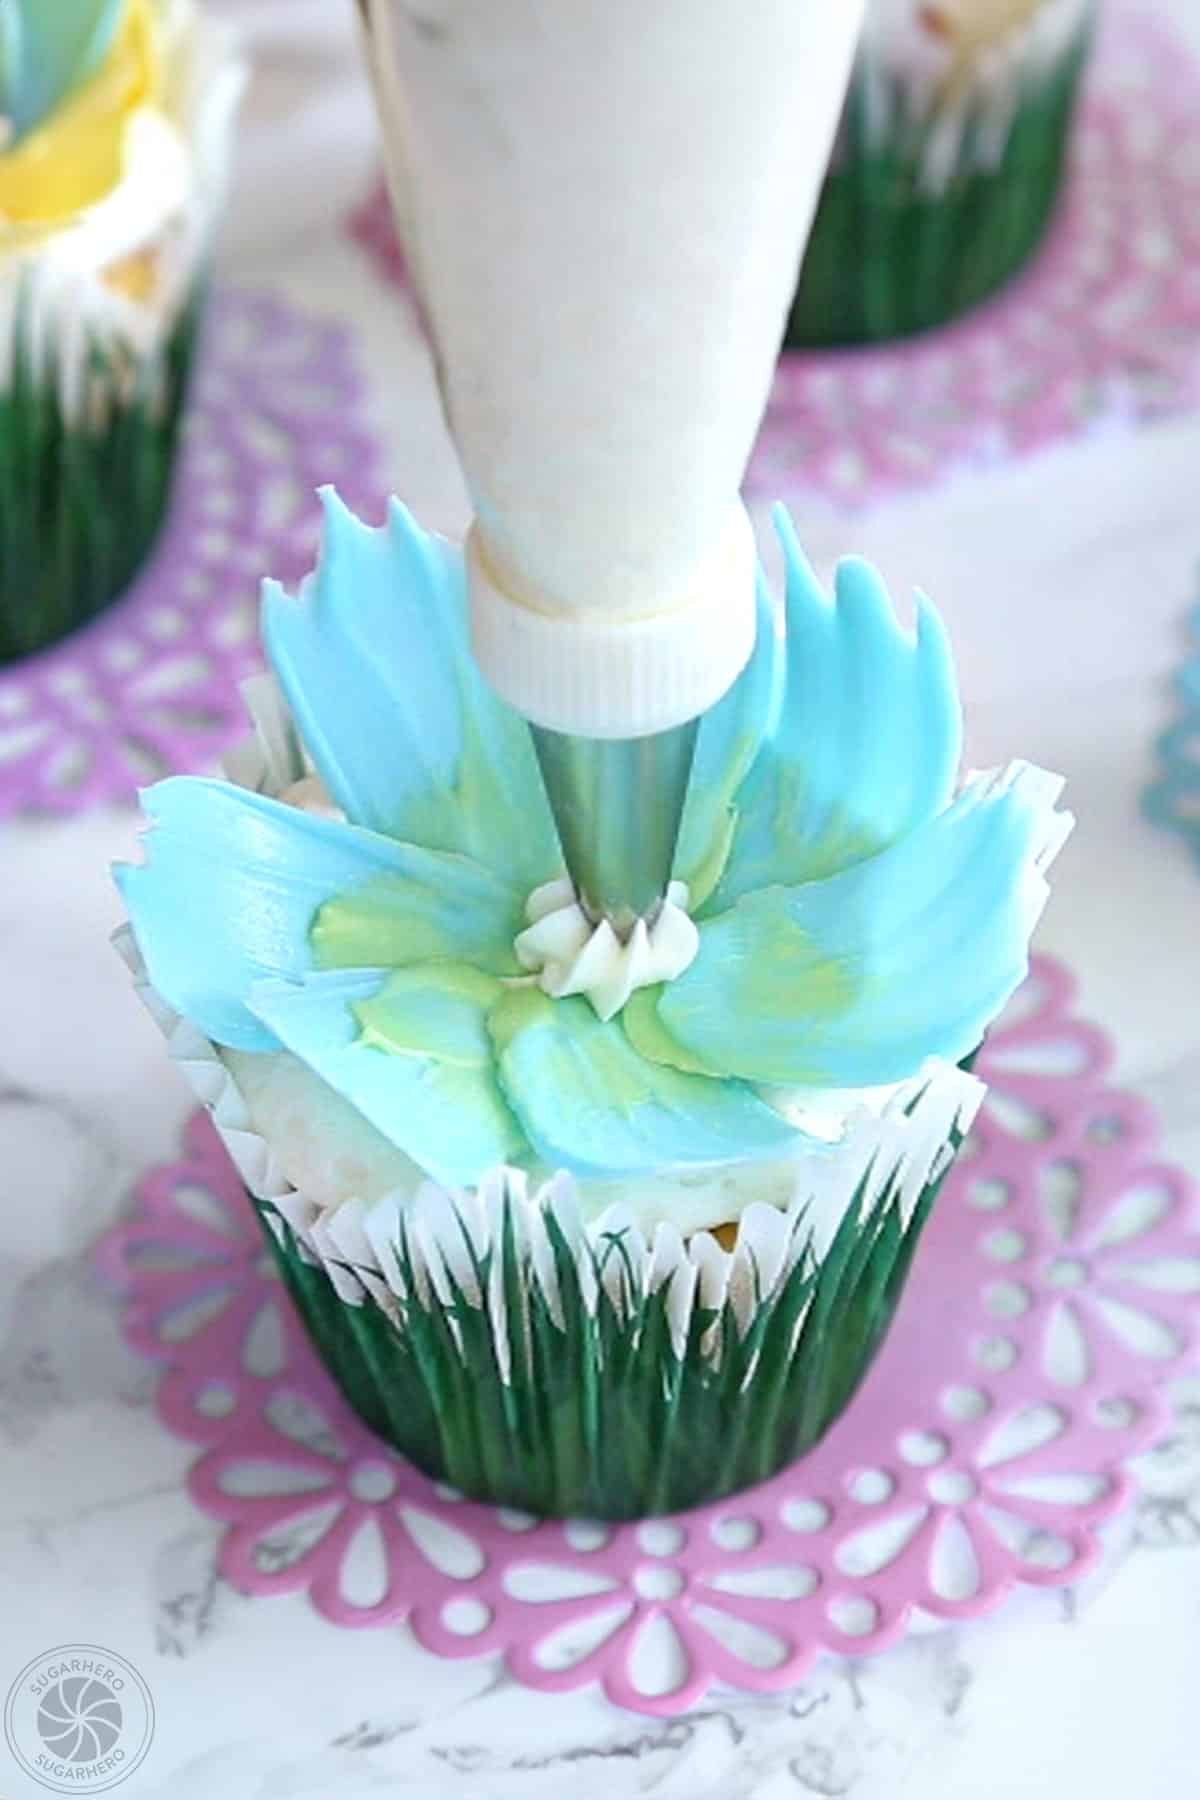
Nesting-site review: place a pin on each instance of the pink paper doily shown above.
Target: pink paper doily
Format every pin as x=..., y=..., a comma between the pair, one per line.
x=150, y=687
x=1057, y=1289
x=1103, y=327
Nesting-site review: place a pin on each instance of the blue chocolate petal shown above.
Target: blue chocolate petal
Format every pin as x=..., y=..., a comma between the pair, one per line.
x=373, y=655
x=232, y=884
x=589, y=1103
x=447, y=1115
x=868, y=738
x=729, y=739
x=855, y=980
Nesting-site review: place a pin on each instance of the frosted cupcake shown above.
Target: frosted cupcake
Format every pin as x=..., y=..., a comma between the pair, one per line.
x=948, y=165
x=116, y=118
x=584, y=1226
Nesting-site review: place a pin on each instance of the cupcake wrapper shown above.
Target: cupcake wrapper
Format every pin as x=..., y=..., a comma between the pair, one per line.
x=93, y=384
x=566, y=1368
x=82, y=499
x=602, y=1377
x=930, y=208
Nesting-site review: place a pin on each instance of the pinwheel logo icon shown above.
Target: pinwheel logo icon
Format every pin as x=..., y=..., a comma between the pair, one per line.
x=79, y=1719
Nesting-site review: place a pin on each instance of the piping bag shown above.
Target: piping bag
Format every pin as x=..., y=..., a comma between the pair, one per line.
x=603, y=205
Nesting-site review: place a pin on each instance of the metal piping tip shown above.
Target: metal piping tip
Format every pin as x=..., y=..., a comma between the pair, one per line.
x=618, y=805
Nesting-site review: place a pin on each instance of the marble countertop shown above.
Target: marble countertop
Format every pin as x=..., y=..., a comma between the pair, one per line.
x=1064, y=583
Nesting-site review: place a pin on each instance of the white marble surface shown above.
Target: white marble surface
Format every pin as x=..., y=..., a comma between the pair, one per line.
x=1064, y=583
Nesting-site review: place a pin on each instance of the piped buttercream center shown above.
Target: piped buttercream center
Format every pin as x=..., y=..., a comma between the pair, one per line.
x=571, y=955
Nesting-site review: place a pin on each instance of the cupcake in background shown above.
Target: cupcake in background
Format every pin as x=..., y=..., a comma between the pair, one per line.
x=116, y=118
x=581, y=1225
x=948, y=165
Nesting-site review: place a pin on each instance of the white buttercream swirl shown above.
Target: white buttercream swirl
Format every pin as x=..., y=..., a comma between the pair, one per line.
x=571, y=955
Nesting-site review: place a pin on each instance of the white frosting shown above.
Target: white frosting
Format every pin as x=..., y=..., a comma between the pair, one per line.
x=571, y=955
x=827, y=1113
x=333, y=1156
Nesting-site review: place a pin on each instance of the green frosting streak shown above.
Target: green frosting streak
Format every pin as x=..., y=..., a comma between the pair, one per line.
x=572, y=1038
x=712, y=817
x=781, y=976
x=757, y=811
x=770, y=850
x=650, y=1038
x=517, y=1008
x=392, y=922
x=580, y=1088
x=844, y=842
x=791, y=963
x=437, y=1011
x=484, y=795
x=704, y=876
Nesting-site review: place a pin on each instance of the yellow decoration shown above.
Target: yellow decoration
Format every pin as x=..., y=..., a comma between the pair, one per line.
x=136, y=277
x=77, y=156
x=973, y=27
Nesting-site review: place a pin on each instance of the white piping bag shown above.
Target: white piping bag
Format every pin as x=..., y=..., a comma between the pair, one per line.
x=604, y=205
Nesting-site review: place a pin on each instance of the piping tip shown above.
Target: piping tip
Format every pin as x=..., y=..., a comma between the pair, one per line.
x=618, y=805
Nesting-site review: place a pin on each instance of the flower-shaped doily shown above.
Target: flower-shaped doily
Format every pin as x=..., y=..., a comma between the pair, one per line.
x=205, y=1299
x=1173, y=799
x=1104, y=325
x=1057, y=1289
x=150, y=687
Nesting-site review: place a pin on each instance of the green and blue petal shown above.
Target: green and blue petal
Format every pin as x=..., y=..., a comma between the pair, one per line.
x=590, y=1103
x=855, y=980
x=410, y=1051
x=441, y=906
x=374, y=658
x=727, y=743
x=233, y=883
x=867, y=742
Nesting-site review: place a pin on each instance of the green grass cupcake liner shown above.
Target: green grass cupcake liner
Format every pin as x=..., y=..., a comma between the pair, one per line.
x=536, y=1365
x=892, y=254
x=88, y=438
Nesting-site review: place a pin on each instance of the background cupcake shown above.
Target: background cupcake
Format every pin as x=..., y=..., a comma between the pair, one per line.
x=584, y=1226
x=118, y=117
x=948, y=165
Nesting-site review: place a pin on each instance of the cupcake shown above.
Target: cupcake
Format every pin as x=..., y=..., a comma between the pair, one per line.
x=584, y=1226
x=116, y=117
x=948, y=164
